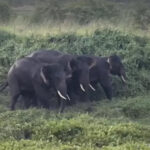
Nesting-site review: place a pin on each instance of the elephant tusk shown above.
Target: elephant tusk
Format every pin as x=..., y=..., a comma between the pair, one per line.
x=123, y=79
x=68, y=97
x=92, y=87
x=82, y=88
x=59, y=93
x=43, y=77
x=108, y=60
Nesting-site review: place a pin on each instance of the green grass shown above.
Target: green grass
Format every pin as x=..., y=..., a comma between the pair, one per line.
x=94, y=125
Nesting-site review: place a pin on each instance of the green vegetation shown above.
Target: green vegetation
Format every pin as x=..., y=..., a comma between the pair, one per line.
x=134, y=51
x=132, y=14
x=100, y=125
x=5, y=12
x=121, y=124
x=93, y=27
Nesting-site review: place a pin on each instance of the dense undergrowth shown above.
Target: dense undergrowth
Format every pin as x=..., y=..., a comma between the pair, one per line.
x=134, y=51
x=122, y=124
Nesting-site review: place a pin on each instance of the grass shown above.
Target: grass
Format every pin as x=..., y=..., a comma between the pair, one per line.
x=24, y=28
x=94, y=125
x=95, y=14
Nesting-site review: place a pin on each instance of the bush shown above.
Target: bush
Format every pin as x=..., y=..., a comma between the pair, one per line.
x=82, y=12
x=142, y=15
x=42, y=129
x=137, y=108
x=5, y=12
x=133, y=50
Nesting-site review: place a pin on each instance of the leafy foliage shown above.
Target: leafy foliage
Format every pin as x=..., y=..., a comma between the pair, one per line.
x=5, y=12
x=79, y=11
x=133, y=50
x=76, y=129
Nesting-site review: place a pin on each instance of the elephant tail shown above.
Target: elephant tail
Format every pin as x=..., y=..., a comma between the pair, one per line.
x=3, y=86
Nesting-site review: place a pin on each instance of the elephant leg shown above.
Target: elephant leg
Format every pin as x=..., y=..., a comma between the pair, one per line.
x=58, y=102
x=30, y=101
x=28, y=97
x=84, y=96
x=74, y=97
x=42, y=95
x=108, y=91
x=14, y=92
x=107, y=86
x=26, y=102
x=33, y=100
x=62, y=105
x=14, y=101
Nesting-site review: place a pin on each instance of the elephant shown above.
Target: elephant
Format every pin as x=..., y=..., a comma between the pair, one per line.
x=29, y=77
x=76, y=68
x=100, y=72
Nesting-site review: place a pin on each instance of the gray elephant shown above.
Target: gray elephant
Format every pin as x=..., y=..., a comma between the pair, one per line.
x=28, y=75
x=76, y=68
x=100, y=72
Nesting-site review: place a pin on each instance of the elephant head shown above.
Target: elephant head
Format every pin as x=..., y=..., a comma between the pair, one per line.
x=116, y=67
x=54, y=76
x=80, y=69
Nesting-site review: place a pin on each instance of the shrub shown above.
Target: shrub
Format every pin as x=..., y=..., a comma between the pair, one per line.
x=5, y=12
x=142, y=15
x=133, y=50
x=82, y=12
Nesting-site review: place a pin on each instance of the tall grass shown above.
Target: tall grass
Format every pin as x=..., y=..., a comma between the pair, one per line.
x=25, y=28
x=79, y=16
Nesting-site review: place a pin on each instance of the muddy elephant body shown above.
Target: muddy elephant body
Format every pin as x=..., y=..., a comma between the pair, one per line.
x=31, y=76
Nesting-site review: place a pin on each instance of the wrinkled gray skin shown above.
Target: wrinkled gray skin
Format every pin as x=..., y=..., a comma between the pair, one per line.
x=100, y=73
x=28, y=77
x=76, y=68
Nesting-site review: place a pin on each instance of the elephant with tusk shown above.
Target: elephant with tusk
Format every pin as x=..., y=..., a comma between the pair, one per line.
x=100, y=73
x=28, y=75
x=76, y=68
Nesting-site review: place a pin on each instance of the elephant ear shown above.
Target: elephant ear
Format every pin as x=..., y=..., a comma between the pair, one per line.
x=91, y=62
x=109, y=62
x=73, y=64
x=114, y=61
x=68, y=70
x=43, y=75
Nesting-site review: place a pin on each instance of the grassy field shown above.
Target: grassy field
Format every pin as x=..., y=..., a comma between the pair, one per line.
x=122, y=124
